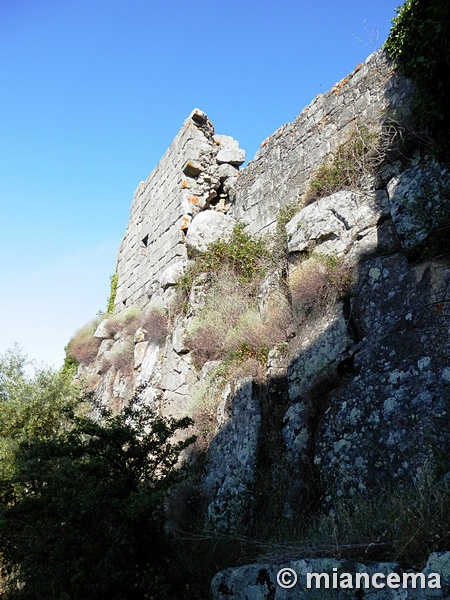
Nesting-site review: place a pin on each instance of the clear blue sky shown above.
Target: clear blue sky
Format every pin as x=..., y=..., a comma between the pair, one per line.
x=92, y=93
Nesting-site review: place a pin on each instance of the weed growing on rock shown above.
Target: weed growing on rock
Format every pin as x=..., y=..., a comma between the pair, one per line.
x=285, y=214
x=317, y=283
x=121, y=356
x=351, y=163
x=244, y=256
x=230, y=327
x=83, y=347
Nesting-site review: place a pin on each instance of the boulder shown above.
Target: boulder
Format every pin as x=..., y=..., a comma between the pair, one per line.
x=172, y=274
x=208, y=227
x=332, y=224
x=230, y=468
x=419, y=202
x=261, y=581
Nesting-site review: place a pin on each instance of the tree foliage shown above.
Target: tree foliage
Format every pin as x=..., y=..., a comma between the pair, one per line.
x=83, y=516
x=81, y=501
x=34, y=405
x=419, y=43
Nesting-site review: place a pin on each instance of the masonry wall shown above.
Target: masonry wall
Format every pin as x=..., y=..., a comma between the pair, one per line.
x=191, y=176
x=280, y=171
x=154, y=237
x=199, y=171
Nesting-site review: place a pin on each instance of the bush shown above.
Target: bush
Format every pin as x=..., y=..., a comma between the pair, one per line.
x=155, y=323
x=129, y=321
x=83, y=347
x=419, y=45
x=317, y=283
x=246, y=257
x=354, y=160
x=121, y=356
x=229, y=326
x=83, y=515
x=36, y=406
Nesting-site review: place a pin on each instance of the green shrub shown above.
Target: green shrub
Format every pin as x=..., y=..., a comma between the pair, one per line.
x=355, y=159
x=35, y=406
x=84, y=514
x=246, y=257
x=419, y=45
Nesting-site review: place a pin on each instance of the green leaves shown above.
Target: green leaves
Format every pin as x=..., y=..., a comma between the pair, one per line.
x=84, y=516
x=419, y=45
x=32, y=406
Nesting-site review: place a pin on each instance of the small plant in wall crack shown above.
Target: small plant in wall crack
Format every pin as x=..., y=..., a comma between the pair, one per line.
x=244, y=256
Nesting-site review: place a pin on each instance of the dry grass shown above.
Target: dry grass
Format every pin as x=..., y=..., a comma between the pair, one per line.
x=230, y=325
x=317, y=283
x=128, y=322
x=83, y=347
x=121, y=356
x=155, y=324
x=349, y=166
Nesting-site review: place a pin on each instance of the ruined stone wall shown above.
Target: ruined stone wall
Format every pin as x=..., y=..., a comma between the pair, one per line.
x=200, y=171
x=280, y=171
x=190, y=176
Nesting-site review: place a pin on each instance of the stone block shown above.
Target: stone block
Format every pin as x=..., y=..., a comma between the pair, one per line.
x=229, y=151
x=207, y=227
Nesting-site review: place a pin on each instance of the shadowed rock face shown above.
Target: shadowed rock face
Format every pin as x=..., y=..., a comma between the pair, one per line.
x=259, y=581
x=389, y=421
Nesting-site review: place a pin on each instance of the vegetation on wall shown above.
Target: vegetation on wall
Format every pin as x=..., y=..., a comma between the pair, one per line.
x=229, y=326
x=348, y=166
x=112, y=295
x=419, y=45
x=242, y=255
x=83, y=347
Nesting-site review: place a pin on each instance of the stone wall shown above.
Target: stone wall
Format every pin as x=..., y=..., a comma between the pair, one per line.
x=356, y=390
x=280, y=171
x=200, y=171
x=191, y=176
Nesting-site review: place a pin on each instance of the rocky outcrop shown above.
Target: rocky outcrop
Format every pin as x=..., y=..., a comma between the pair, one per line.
x=262, y=581
x=356, y=390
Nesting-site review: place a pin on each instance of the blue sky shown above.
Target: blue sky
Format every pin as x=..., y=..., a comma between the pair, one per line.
x=92, y=94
